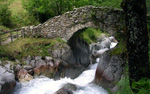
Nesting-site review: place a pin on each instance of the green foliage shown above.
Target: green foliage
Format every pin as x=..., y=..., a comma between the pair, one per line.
x=90, y=35
x=124, y=86
x=110, y=3
x=142, y=86
x=79, y=3
x=44, y=9
x=60, y=40
x=121, y=48
x=148, y=5
x=23, y=19
x=5, y=14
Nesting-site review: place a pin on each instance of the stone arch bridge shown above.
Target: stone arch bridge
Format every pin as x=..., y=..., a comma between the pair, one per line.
x=65, y=25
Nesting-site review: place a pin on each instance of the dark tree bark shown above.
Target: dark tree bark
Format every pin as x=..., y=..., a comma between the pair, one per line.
x=137, y=39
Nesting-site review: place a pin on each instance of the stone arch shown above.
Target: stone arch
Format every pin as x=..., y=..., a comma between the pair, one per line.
x=65, y=25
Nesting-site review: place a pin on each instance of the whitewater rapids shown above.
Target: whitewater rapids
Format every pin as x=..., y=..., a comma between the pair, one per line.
x=44, y=85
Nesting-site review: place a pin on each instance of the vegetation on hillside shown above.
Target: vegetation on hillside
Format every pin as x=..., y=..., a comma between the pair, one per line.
x=28, y=46
x=4, y=13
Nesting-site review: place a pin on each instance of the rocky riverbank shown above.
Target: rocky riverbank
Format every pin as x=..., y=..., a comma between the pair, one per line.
x=66, y=61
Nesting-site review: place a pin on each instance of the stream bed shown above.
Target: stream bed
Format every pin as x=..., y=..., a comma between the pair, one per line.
x=44, y=85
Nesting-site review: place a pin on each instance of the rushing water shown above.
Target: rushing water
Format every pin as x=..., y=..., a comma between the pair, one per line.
x=44, y=85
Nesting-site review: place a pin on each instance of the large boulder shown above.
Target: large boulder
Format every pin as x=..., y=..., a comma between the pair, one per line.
x=67, y=89
x=109, y=70
x=7, y=78
x=24, y=76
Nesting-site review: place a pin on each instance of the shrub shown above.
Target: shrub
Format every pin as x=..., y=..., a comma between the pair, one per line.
x=142, y=86
x=5, y=15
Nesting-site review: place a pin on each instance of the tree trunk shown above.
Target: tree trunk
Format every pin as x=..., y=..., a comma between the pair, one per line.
x=137, y=40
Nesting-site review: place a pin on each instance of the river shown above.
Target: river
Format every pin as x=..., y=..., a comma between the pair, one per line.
x=44, y=85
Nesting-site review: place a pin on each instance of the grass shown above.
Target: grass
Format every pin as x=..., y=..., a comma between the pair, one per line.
x=16, y=7
x=28, y=46
x=19, y=16
x=90, y=35
x=112, y=3
x=4, y=27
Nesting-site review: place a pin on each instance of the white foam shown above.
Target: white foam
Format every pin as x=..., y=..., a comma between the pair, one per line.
x=113, y=44
x=97, y=60
x=45, y=85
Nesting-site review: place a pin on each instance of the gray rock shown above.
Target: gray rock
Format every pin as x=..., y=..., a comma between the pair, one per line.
x=24, y=76
x=109, y=70
x=0, y=88
x=32, y=63
x=70, y=86
x=40, y=63
x=38, y=57
x=8, y=66
x=18, y=67
x=50, y=63
x=67, y=89
x=48, y=58
x=27, y=67
x=2, y=70
x=28, y=58
x=7, y=80
x=63, y=91
x=8, y=77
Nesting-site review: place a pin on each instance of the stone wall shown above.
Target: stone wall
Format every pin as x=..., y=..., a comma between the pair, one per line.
x=65, y=25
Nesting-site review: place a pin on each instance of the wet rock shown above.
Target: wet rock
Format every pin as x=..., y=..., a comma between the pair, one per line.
x=109, y=70
x=47, y=70
x=99, y=53
x=36, y=72
x=7, y=79
x=67, y=89
x=70, y=86
x=64, y=91
x=8, y=85
x=24, y=76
